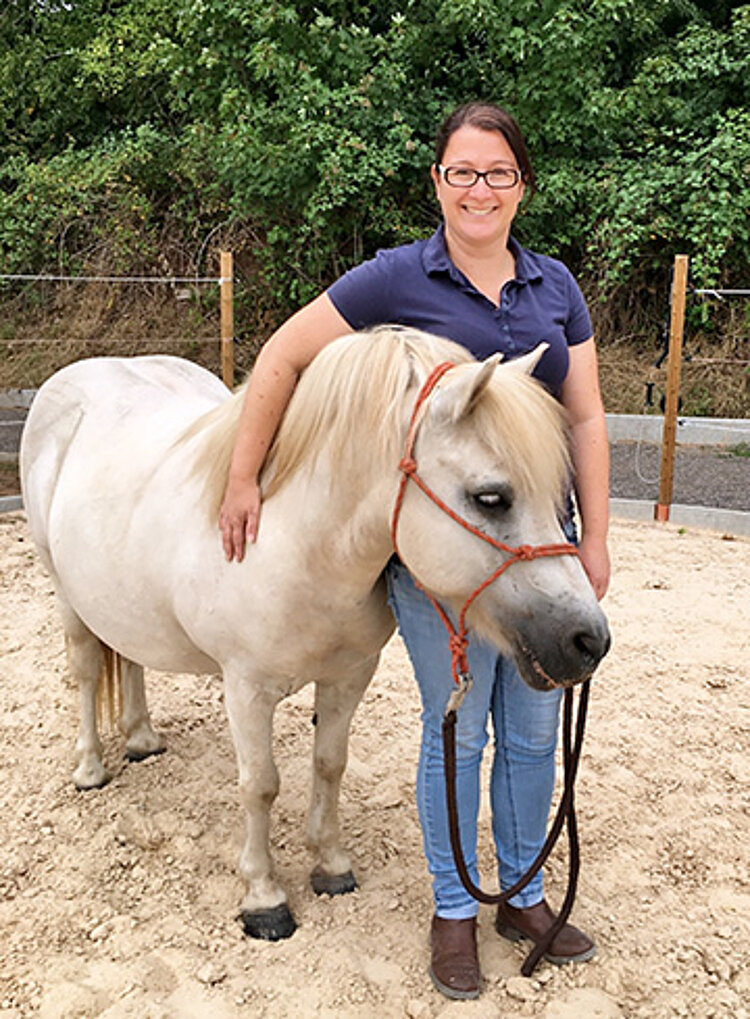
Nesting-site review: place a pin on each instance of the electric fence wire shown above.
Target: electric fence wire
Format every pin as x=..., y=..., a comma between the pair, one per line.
x=30, y=277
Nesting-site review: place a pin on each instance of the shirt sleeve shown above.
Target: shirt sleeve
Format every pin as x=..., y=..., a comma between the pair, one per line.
x=362, y=295
x=578, y=327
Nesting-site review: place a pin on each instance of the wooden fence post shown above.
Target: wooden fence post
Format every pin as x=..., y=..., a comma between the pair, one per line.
x=227, y=318
x=671, y=406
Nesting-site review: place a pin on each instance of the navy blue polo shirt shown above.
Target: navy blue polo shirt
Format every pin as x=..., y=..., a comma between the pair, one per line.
x=418, y=285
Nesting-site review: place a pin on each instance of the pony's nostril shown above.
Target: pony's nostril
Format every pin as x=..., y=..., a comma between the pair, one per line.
x=592, y=647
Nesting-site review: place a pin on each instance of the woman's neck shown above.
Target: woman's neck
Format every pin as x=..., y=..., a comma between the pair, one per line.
x=488, y=267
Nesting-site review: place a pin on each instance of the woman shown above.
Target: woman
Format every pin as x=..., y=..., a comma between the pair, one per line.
x=472, y=282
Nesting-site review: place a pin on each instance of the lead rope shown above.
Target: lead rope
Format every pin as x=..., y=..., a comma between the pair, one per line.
x=565, y=813
x=458, y=643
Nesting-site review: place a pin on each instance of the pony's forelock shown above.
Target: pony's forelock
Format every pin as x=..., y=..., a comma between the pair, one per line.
x=526, y=427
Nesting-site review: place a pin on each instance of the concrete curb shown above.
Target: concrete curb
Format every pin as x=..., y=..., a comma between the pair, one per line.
x=690, y=431
x=9, y=503
x=705, y=517
x=16, y=399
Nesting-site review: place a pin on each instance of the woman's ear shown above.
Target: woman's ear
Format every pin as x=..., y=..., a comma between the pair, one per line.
x=435, y=175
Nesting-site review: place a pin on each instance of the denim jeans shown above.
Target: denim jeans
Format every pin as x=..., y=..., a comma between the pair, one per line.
x=525, y=725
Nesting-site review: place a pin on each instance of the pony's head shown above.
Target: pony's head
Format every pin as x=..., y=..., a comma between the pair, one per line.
x=491, y=445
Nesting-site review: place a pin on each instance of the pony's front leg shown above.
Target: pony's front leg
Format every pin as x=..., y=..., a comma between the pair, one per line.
x=265, y=913
x=141, y=740
x=335, y=704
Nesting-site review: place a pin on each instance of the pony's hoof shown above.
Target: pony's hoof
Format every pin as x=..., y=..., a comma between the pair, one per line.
x=332, y=884
x=91, y=776
x=269, y=924
x=137, y=754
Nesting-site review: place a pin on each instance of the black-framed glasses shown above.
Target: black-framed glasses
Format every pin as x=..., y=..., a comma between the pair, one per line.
x=500, y=179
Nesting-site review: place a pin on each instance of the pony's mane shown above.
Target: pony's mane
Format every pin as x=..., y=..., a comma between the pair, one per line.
x=349, y=402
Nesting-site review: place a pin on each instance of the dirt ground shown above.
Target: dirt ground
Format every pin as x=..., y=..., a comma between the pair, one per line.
x=122, y=903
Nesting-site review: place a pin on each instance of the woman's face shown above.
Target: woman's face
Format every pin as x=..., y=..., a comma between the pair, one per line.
x=478, y=216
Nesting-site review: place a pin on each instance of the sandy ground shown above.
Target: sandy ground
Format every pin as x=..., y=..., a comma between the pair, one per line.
x=122, y=902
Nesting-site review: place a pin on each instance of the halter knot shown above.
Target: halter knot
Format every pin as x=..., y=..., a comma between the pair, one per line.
x=525, y=553
x=457, y=644
x=408, y=465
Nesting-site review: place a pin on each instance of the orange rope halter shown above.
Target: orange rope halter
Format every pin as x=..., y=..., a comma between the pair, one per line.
x=457, y=638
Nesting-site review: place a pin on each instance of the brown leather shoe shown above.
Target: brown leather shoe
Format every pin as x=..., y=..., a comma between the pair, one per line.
x=570, y=944
x=454, y=969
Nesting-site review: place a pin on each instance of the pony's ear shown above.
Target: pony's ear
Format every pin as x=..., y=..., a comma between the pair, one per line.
x=527, y=362
x=458, y=396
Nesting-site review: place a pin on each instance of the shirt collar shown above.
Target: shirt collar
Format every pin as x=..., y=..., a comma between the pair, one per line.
x=436, y=259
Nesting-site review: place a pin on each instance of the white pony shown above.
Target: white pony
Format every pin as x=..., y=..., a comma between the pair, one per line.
x=123, y=466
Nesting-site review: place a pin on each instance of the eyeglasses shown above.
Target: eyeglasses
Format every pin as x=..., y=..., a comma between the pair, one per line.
x=500, y=179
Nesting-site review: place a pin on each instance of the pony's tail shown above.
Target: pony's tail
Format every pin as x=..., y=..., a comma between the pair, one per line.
x=109, y=689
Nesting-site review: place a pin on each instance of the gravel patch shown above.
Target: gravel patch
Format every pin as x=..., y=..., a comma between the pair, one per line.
x=711, y=476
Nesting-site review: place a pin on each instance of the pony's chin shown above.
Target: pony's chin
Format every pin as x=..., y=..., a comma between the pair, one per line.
x=532, y=672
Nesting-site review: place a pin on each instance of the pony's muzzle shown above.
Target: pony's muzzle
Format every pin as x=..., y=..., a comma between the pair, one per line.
x=563, y=659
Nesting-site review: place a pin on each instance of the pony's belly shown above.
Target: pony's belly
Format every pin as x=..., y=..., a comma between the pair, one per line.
x=129, y=615
x=332, y=653
x=280, y=631
x=147, y=638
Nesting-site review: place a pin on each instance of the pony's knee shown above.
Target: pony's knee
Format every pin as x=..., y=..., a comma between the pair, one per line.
x=330, y=765
x=260, y=793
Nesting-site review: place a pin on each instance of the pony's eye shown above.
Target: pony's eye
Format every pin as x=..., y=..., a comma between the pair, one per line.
x=494, y=500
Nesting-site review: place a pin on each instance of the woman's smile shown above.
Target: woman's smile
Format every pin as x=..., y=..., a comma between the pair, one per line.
x=479, y=211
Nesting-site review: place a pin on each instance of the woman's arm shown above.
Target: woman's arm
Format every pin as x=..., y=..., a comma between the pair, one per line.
x=582, y=400
x=274, y=377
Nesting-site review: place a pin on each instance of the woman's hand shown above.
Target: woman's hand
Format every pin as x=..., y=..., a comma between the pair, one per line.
x=238, y=517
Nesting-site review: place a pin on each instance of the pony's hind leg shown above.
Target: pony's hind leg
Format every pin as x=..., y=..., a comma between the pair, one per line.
x=98, y=670
x=85, y=656
x=134, y=722
x=335, y=704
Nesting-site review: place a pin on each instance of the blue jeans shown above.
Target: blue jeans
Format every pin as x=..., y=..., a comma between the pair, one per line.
x=523, y=770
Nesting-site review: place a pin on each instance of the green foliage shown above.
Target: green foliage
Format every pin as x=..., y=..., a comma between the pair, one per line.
x=131, y=132
x=741, y=449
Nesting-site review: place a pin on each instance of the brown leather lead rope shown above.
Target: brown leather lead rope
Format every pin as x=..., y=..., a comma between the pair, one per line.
x=565, y=815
